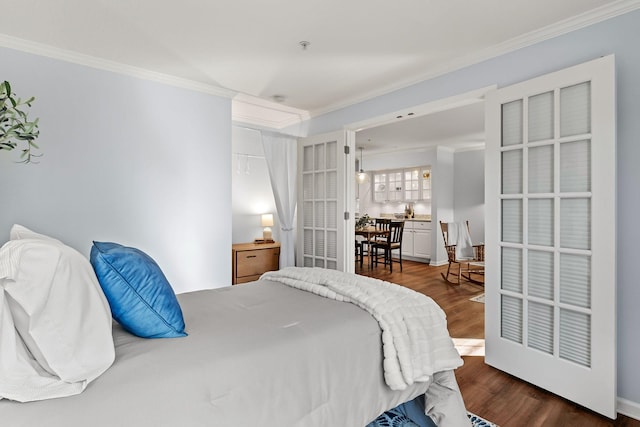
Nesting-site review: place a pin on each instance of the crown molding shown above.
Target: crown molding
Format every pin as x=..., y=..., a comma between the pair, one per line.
x=262, y=113
x=113, y=66
x=585, y=19
x=591, y=17
x=246, y=108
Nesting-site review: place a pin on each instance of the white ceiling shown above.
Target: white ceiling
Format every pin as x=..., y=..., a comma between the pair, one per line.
x=251, y=50
x=358, y=48
x=460, y=128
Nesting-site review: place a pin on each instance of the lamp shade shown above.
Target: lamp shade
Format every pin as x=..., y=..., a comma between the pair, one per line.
x=267, y=220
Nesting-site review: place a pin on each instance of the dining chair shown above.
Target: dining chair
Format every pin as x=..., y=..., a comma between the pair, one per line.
x=391, y=242
x=383, y=223
x=359, y=247
x=380, y=224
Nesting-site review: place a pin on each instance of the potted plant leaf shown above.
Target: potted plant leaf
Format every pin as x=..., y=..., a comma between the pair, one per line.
x=16, y=130
x=362, y=222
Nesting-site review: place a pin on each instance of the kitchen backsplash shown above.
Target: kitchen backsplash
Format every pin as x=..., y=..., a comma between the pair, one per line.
x=388, y=210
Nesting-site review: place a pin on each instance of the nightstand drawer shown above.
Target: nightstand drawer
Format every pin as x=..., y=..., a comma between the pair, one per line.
x=251, y=260
x=251, y=263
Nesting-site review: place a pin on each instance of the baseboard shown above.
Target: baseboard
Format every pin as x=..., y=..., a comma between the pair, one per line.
x=412, y=258
x=435, y=263
x=629, y=408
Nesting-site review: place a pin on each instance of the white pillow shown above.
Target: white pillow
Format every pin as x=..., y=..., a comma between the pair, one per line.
x=19, y=232
x=58, y=309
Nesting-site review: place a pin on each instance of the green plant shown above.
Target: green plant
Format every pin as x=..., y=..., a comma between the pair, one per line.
x=15, y=127
x=362, y=221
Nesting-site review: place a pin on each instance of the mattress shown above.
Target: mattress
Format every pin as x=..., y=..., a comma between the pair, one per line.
x=257, y=354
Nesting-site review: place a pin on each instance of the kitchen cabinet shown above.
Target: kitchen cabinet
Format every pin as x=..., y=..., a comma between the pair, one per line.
x=416, y=240
x=425, y=183
x=394, y=178
x=411, y=184
x=380, y=187
x=387, y=186
x=402, y=185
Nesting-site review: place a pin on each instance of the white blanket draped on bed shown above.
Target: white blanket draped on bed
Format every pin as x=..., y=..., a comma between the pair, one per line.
x=416, y=342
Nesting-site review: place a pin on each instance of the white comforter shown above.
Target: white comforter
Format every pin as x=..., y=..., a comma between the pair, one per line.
x=416, y=342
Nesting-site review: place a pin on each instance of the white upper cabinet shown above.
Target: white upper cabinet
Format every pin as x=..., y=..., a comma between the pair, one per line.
x=412, y=184
x=380, y=185
x=395, y=186
x=425, y=183
x=402, y=185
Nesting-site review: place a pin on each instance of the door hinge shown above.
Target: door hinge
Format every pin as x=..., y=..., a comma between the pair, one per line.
x=346, y=149
x=346, y=216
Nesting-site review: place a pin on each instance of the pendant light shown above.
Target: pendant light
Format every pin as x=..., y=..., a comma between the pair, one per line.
x=362, y=176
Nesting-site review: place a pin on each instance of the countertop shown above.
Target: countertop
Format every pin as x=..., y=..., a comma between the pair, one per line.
x=415, y=218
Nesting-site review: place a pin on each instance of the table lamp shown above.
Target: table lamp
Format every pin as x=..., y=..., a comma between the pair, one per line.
x=267, y=223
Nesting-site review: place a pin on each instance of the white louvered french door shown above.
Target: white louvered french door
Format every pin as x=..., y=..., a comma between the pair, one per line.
x=321, y=202
x=550, y=252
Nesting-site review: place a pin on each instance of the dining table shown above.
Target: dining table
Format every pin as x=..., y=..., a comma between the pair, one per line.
x=370, y=232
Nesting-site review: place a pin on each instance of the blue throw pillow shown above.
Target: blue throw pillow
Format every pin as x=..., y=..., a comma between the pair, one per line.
x=141, y=298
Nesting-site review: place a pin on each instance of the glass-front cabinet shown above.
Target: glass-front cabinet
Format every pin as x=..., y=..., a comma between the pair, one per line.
x=411, y=184
x=402, y=185
x=395, y=186
x=380, y=187
x=425, y=183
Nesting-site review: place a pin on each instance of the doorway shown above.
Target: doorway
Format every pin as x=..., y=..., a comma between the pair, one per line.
x=442, y=139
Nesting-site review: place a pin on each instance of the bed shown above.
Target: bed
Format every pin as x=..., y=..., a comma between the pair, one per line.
x=257, y=354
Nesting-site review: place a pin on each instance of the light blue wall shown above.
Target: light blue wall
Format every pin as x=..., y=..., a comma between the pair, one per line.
x=125, y=160
x=617, y=36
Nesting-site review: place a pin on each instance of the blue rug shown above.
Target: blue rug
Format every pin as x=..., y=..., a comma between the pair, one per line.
x=398, y=418
x=411, y=414
x=477, y=421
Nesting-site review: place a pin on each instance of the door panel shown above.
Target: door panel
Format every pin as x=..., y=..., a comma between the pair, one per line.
x=550, y=250
x=322, y=233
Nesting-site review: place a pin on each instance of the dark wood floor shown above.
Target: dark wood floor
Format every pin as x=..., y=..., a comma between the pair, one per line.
x=488, y=392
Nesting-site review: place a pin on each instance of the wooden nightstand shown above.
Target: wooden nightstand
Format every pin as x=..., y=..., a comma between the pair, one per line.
x=250, y=260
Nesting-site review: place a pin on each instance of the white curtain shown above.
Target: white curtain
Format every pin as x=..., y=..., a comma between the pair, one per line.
x=281, y=153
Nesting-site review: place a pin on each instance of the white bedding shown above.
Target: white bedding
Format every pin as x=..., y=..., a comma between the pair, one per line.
x=416, y=342
x=258, y=354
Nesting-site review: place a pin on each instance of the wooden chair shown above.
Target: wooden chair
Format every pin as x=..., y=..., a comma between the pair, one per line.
x=392, y=242
x=383, y=224
x=380, y=224
x=360, y=250
x=467, y=266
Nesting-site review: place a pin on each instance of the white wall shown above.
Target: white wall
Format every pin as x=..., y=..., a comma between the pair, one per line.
x=617, y=36
x=252, y=194
x=442, y=177
x=124, y=160
x=468, y=191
